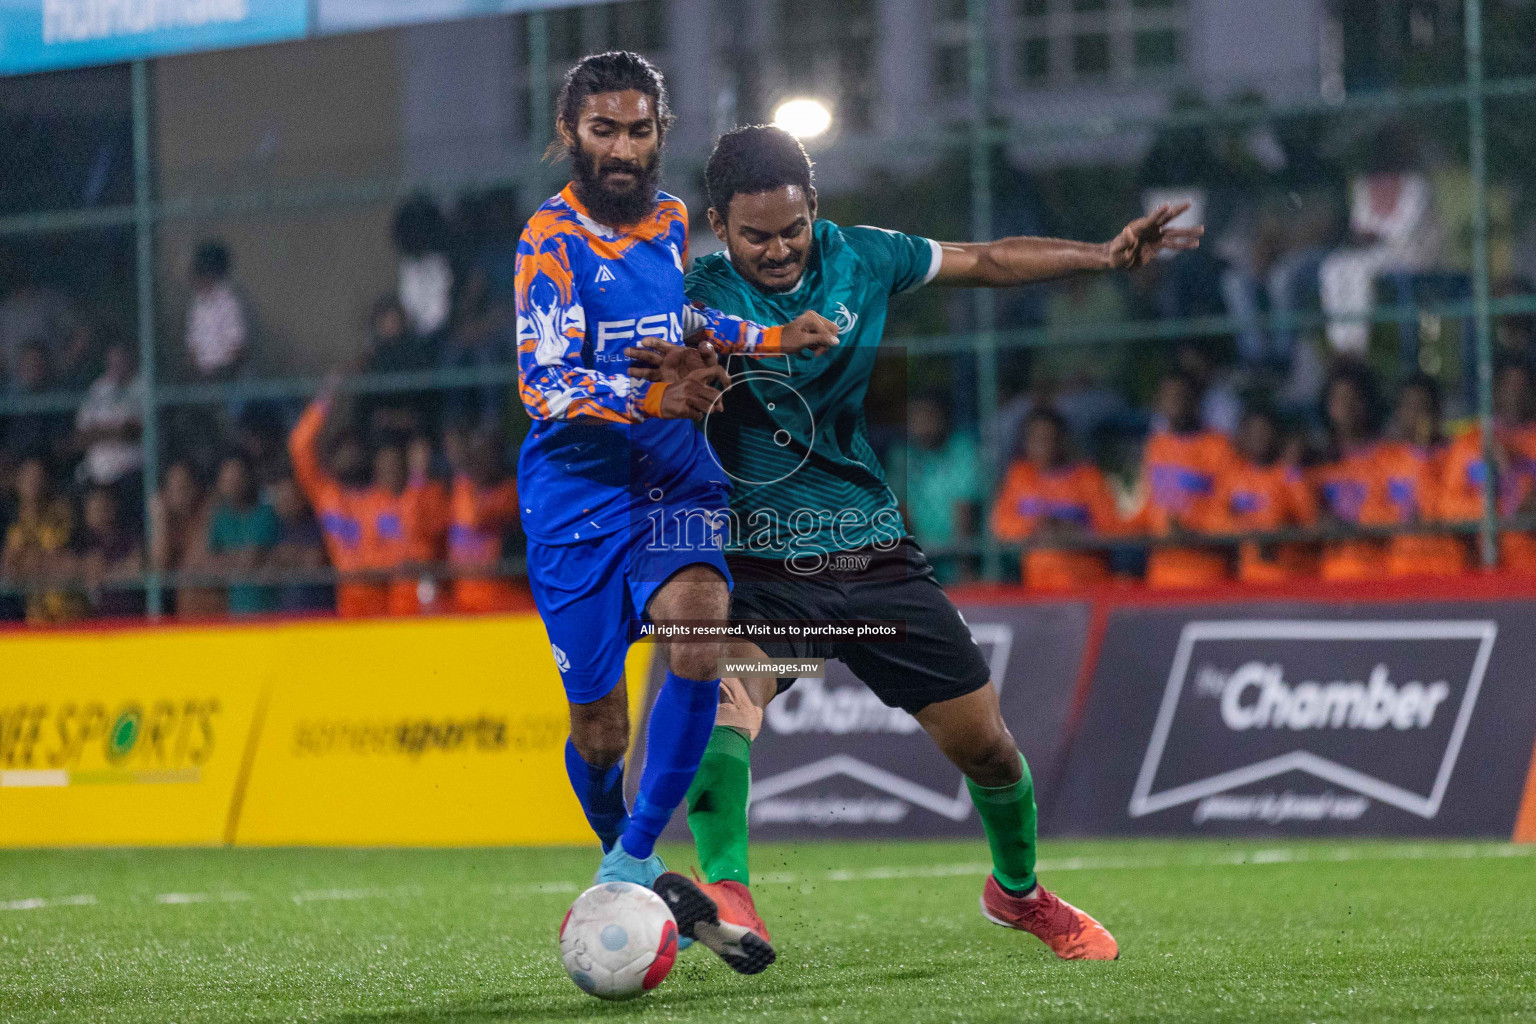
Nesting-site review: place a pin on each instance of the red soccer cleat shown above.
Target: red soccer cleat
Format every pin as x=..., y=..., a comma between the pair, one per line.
x=1070, y=933
x=734, y=902
x=722, y=917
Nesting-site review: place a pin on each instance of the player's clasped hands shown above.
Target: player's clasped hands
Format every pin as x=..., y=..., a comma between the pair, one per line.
x=693, y=374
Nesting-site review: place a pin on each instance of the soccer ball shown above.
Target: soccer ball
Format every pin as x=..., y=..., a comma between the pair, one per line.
x=618, y=940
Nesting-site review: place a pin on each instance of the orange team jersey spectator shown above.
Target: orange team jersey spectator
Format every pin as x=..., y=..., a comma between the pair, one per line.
x=1072, y=494
x=477, y=519
x=1181, y=472
x=1353, y=490
x=409, y=529
x=1464, y=479
x=1254, y=498
x=345, y=517
x=1413, y=479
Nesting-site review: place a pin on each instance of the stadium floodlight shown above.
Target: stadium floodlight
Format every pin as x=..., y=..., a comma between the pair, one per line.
x=803, y=118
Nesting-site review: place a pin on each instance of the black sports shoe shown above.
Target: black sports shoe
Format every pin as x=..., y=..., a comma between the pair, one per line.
x=698, y=917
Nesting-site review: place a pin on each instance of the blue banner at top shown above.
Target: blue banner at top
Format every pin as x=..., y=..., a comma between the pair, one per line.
x=40, y=35
x=359, y=15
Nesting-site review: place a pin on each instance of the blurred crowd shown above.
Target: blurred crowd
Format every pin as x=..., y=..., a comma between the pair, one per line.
x=1376, y=489
x=396, y=500
x=393, y=495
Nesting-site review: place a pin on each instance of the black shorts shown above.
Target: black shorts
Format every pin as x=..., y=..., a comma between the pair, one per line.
x=938, y=660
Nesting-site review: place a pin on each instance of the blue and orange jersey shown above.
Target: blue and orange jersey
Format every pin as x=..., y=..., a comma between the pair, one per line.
x=404, y=530
x=1180, y=473
x=1253, y=498
x=1413, y=481
x=1352, y=489
x=346, y=516
x=596, y=454
x=478, y=518
x=1075, y=496
x=1466, y=475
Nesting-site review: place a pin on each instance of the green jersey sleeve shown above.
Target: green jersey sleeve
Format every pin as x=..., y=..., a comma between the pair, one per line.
x=903, y=261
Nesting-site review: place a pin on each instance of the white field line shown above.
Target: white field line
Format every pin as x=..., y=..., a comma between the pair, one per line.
x=1250, y=858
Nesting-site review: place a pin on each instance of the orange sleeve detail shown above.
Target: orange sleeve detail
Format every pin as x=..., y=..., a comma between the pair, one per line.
x=1007, y=524
x=650, y=403
x=301, y=450
x=1103, y=512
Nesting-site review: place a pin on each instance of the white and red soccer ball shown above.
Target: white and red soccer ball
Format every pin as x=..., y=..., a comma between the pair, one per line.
x=618, y=940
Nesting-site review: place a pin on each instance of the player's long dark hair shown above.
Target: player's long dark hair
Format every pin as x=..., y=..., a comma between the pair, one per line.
x=755, y=158
x=614, y=71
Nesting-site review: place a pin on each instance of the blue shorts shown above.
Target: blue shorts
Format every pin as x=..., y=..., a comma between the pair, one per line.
x=592, y=597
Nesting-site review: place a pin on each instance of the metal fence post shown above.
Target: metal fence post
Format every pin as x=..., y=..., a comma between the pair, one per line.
x=540, y=112
x=1477, y=137
x=144, y=237
x=984, y=302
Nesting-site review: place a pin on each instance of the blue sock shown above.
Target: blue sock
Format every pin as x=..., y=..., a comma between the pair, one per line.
x=601, y=792
x=681, y=720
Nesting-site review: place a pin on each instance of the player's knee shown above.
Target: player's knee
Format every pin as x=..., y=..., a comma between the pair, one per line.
x=992, y=759
x=601, y=739
x=694, y=661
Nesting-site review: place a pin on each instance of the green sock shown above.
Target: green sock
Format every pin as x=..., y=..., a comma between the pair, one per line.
x=1009, y=817
x=717, y=805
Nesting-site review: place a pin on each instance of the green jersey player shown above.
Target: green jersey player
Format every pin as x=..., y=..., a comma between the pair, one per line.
x=816, y=533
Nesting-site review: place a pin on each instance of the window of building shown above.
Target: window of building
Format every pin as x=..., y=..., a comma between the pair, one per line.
x=574, y=32
x=1067, y=42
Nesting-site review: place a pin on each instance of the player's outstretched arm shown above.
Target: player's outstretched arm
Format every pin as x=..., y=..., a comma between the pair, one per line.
x=1009, y=262
x=808, y=332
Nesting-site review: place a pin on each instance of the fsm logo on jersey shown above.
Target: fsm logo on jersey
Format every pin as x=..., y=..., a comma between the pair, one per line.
x=1294, y=719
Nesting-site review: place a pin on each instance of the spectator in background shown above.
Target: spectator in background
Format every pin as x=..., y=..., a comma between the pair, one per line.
x=108, y=425
x=242, y=531
x=482, y=510
x=218, y=329
x=1514, y=476
x=1349, y=482
x=31, y=313
x=408, y=511
x=484, y=328
x=1179, y=467
x=1264, y=490
x=425, y=276
x=1413, y=463
x=1183, y=165
x=300, y=548
x=108, y=556
x=42, y=433
x=938, y=483
x=75, y=365
x=178, y=539
x=1221, y=407
x=258, y=436
x=1393, y=227
x=426, y=523
x=393, y=347
x=336, y=486
x=1046, y=496
x=37, y=547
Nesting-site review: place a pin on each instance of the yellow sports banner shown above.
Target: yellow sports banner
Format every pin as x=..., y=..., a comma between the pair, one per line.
x=420, y=732
x=124, y=737
x=432, y=732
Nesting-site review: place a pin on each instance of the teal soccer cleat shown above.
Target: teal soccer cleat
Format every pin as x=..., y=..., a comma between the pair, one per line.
x=618, y=866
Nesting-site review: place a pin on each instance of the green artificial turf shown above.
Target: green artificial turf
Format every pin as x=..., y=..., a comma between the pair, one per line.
x=1209, y=931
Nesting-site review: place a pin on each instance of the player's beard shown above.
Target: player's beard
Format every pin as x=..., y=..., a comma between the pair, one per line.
x=616, y=207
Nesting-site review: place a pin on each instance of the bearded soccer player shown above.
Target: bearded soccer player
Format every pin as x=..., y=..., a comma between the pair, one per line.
x=780, y=261
x=609, y=459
